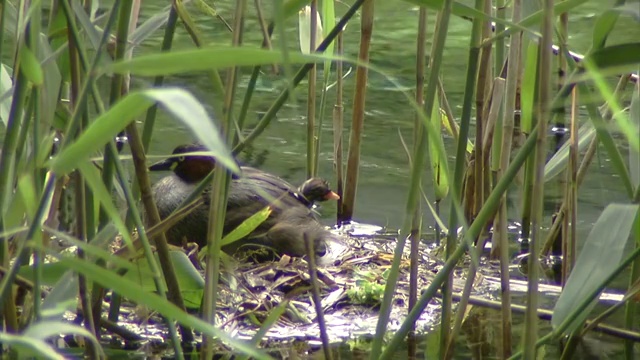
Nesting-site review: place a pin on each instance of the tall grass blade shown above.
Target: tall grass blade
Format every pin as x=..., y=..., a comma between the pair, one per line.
x=206, y=58
x=161, y=305
x=6, y=94
x=440, y=181
x=179, y=102
x=634, y=154
x=602, y=252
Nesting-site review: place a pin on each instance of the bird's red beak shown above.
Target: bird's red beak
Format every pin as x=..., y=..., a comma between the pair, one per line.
x=332, y=196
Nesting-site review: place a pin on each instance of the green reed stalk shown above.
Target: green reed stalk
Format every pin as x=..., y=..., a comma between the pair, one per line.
x=139, y=161
x=482, y=100
x=3, y=12
x=476, y=251
x=513, y=75
x=582, y=170
x=415, y=232
x=284, y=95
x=108, y=167
x=329, y=17
x=147, y=131
x=172, y=288
x=9, y=277
x=565, y=182
x=97, y=292
x=631, y=307
x=528, y=94
x=167, y=43
x=34, y=110
x=569, y=240
x=542, y=113
x=311, y=95
x=413, y=195
x=7, y=174
x=487, y=211
x=459, y=172
x=219, y=190
x=338, y=124
x=499, y=63
x=83, y=204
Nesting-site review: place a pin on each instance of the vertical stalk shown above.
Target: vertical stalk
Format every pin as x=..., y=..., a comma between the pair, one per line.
x=299, y=76
x=631, y=307
x=459, y=173
x=220, y=185
x=338, y=124
x=167, y=42
x=311, y=95
x=482, y=88
x=417, y=169
x=569, y=249
x=415, y=232
x=559, y=116
x=542, y=112
x=172, y=288
x=357, y=120
x=33, y=112
x=117, y=89
x=499, y=63
x=81, y=200
x=513, y=73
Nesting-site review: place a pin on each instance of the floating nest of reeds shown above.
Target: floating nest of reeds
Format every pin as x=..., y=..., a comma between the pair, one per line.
x=351, y=279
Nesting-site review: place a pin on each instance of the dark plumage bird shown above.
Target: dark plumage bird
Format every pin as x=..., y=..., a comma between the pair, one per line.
x=291, y=217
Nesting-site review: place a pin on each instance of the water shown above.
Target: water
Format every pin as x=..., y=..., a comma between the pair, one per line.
x=384, y=171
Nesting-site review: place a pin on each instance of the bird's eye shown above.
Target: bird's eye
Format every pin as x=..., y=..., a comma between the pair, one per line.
x=181, y=158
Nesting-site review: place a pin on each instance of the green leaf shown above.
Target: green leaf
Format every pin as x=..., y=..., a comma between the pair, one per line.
x=604, y=24
x=46, y=329
x=440, y=182
x=27, y=346
x=528, y=89
x=103, y=196
x=27, y=191
x=634, y=154
x=189, y=279
x=328, y=13
x=51, y=273
x=132, y=291
x=558, y=163
x=51, y=87
x=6, y=94
x=207, y=58
x=247, y=226
x=30, y=66
x=149, y=27
x=92, y=32
x=615, y=56
x=177, y=101
x=62, y=298
x=600, y=257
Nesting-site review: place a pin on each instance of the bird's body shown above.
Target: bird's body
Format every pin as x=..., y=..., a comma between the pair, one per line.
x=291, y=215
